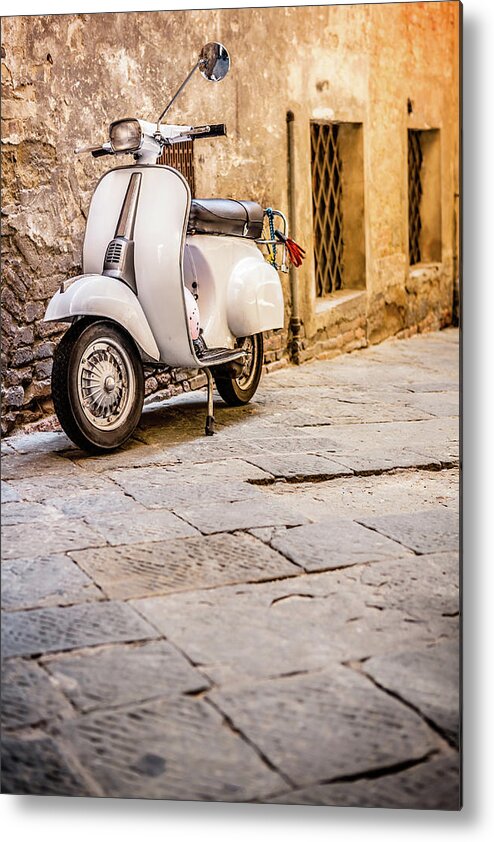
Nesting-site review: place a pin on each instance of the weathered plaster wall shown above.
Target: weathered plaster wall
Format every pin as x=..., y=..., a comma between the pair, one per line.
x=65, y=78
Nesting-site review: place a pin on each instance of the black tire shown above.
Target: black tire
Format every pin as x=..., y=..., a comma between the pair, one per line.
x=85, y=402
x=239, y=390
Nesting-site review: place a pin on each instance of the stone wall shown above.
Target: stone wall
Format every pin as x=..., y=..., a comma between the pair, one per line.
x=64, y=78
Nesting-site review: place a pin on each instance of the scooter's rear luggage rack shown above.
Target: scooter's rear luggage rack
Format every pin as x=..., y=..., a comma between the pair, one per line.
x=273, y=242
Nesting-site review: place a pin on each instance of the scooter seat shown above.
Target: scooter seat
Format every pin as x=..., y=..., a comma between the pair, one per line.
x=227, y=217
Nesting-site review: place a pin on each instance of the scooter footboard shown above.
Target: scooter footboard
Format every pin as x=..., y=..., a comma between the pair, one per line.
x=100, y=295
x=255, y=298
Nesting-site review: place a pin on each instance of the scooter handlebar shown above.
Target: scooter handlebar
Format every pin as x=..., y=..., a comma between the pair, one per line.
x=218, y=130
x=98, y=153
x=196, y=132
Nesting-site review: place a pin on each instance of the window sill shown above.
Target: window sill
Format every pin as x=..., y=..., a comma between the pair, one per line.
x=343, y=299
x=418, y=270
x=422, y=273
x=337, y=298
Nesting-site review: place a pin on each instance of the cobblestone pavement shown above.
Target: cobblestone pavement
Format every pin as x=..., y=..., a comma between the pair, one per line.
x=267, y=615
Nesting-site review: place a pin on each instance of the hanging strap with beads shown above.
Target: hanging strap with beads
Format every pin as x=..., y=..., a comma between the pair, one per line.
x=272, y=255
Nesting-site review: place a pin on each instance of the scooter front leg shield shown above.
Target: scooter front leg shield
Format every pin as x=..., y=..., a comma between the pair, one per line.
x=159, y=235
x=100, y=295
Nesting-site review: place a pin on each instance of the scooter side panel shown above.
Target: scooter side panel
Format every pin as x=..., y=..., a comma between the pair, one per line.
x=255, y=297
x=159, y=236
x=239, y=294
x=98, y=295
x=209, y=265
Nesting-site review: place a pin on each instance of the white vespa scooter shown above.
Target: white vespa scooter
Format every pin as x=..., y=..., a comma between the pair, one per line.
x=168, y=281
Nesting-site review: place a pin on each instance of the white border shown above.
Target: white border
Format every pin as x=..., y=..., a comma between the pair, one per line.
x=76, y=819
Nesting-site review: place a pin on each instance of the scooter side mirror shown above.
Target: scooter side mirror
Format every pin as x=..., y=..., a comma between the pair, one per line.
x=214, y=61
x=214, y=64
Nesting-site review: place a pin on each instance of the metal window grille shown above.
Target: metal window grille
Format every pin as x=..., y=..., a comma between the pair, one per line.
x=414, y=195
x=180, y=156
x=326, y=207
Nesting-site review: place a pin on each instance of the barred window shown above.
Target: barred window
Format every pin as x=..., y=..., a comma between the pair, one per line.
x=424, y=196
x=338, y=218
x=326, y=207
x=180, y=156
x=414, y=195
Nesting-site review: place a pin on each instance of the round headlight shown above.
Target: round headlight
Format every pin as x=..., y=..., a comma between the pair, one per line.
x=125, y=135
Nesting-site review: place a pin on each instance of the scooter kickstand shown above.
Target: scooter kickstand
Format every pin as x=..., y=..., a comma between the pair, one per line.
x=210, y=416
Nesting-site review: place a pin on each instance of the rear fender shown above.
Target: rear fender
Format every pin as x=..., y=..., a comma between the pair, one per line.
x=254, y=298
x=100, y=295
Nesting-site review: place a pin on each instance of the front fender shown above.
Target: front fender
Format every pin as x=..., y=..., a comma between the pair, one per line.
x=254, y=297
x=100, y=295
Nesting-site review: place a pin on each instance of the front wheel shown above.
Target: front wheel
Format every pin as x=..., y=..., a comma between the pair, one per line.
x=97, y=385
x=240, y=389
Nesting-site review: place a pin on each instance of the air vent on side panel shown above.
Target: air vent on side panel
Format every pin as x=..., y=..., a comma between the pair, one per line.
x=113, y=252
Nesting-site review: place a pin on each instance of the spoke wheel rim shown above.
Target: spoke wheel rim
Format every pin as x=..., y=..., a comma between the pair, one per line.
x=248, y=373
x=105, y=384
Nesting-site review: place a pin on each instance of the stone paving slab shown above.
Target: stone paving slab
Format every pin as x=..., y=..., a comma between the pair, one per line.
x=242, y=434
x=351, y=497
x=108, y=501
x=41, y=538
x=37, y=464
x=45, y=488
x=132, y=455
x=41, y=442
x=120, y=528
x=29, y=696
x=300, y=419
x=371, y=460
x=334, y=543
x=39, y=767
x=172, y=422
x=429, y=531
x=228, y=470
x=440, y=404
x=178, y=749
x=9, y=494
x=18, y=512
x=49, y=581
x=57, y=629
x=242, y=514
x=275, y=628
x=298, y=444
x=324, y=725
x=431, y=785
x=300, y=466
x=156, y=488
x=124, y=674
x=428, y=679
x=146, y=569
x=437, y=438
x=367, y=371
x=371, y=411
x=429, y=590
x=424, y=386
x=201, y=448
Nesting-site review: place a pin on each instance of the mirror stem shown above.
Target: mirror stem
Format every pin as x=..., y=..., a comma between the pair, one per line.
x=182, y=86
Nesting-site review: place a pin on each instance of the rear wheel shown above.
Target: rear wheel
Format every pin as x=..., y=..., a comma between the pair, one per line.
x=97, y=385
x=239, y=389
